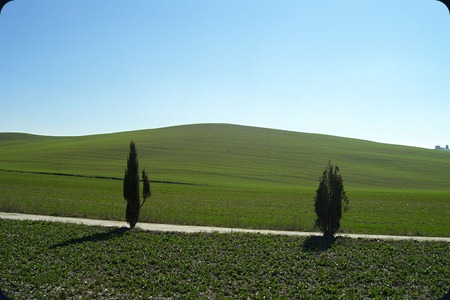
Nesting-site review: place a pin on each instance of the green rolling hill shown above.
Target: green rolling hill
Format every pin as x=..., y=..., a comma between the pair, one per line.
x=231, y=155
x=240, y=177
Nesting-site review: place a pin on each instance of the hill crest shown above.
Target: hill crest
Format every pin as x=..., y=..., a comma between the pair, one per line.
x=227, y=154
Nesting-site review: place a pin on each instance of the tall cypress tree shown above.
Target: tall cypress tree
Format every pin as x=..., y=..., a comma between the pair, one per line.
x=131, y=187
x=329, y=200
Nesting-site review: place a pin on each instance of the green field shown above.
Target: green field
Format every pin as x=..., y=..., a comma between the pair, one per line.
x=65, y=261
x=239, y=177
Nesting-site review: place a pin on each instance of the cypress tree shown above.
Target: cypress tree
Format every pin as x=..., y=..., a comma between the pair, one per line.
x=329, y=200
x=146, y=191
x=131, y=187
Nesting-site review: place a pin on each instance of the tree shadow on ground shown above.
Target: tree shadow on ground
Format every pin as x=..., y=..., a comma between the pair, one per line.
x=447, y=296
x=318, y=243
x=2, y=296
x=98, y=237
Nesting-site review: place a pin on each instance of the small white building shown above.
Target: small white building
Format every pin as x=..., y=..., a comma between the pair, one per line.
x=438, y=147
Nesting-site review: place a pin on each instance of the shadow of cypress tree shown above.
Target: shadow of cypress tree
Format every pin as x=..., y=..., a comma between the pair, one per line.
x=318, y=243
x=98, y=237
x=447, y=296
x=3, y=297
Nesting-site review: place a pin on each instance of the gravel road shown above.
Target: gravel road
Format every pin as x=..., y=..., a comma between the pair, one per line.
x=192, y=229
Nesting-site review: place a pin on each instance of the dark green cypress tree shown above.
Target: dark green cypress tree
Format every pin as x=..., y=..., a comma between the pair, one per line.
x=329, y=200
x=131, y=187
x=146, y=191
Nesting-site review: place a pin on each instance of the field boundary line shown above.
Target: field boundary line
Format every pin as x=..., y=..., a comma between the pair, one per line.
x=93, y=176
x=204, y=229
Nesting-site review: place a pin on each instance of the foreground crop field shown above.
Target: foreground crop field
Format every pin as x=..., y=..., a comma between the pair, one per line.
x=66, y=261
x=237, y=177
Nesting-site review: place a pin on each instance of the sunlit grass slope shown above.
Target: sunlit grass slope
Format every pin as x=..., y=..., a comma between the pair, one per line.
x=244, y=177
x=231, y=155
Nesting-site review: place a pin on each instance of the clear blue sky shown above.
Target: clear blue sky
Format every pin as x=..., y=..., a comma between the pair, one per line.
x=371, y=69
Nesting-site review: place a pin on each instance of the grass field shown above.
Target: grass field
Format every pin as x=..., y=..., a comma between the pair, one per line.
x=243, y=177
x=65, y=261
x=416, y=212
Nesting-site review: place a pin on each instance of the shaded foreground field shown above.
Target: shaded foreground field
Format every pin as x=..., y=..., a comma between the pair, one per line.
x=391, y=212
x=66, y=261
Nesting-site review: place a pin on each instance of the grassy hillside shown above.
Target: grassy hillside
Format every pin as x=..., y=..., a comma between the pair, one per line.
x=245, y=177
x=231, y=155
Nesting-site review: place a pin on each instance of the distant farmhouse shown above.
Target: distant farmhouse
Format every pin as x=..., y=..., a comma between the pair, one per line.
x=442, y=148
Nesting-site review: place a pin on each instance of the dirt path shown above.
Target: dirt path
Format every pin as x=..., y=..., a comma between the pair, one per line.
x=192, y=229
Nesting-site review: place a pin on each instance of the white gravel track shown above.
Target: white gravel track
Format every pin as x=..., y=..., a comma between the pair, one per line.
x=206, y=229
